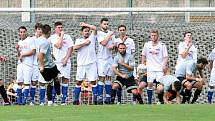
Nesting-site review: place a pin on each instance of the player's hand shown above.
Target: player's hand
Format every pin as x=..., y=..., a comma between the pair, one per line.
x=87, y=42
x=64, y=61
x=41, y=68
x=111, y=46
x=82, y=24
x=62, y=33
x=190, y=44
x=125, y=37
x=17, y=46
x=121, y=61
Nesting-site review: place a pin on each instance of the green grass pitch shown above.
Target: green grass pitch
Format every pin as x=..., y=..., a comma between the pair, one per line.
x=197, y=112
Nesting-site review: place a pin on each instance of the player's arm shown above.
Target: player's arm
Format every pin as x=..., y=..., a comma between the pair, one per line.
x=116, y=71
x=105, y=41
x=86, y=42
x=210, y=65
x=29, y=53
x=165, y=98
x=92, y=27
x=68, y=55
x=40, y=61
x=129, y=67
x=178, y=97
x=59, y=43
x=186, y=51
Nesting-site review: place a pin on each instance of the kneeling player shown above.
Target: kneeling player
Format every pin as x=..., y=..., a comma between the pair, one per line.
x=168, y=89
x=123, y=67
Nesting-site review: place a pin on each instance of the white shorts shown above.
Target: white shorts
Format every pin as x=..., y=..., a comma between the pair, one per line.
x=65, y=71
x=87, y=72
x=154, y=75
x=212, y=78
x=105, y=67
x=37, y=75
x=24, y=73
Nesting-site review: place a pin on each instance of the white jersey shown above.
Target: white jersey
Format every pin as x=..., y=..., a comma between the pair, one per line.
x=192, y=54
x=87, y=54
x=103, y=51
x=59, y=54
x=24, y=47
x=130, y=46
x=154, y=55
x=212, y=57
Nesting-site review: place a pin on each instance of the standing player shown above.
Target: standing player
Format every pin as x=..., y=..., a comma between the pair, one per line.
x=105, y=45
x=48, y=69
x=2, y=89
x=186, y=50
x=212, y=77
x=26, y=50
x=62, y=51
x=36, y=72
x=130, y=48
x=155, y=57
x=86, y=61
x=169, y=86
x=123, y=67
x=187, y=74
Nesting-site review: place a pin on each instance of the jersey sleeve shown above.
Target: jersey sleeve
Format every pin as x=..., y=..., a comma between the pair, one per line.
x=70, y=41
x=43, y=48
x=165, y=53
x=144, y=51
x=115, y=61
x=181, y=48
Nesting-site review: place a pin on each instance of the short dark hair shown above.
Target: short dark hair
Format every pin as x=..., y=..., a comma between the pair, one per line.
x=84, y=27
x=57, y=23
x=177, y=85
x=121, y=26
x=22, y=27
x=202, y=60
x=38, y=25
x=121, y=44
x=154, y=31
x=103, y=19
x=46, y=29
x=187, y=33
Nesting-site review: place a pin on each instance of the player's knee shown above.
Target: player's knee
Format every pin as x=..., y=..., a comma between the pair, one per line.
x=115, y=86
x=78, y=82
x=34, y=83
x=1, y=82
x=93, y=82
x=42, y=84
x=134, y=91
x=188, y=86
x=65, y=80
x=159, y=89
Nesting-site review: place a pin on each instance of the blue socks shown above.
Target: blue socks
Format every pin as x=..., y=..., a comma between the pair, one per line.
x=210, y=95
x=32, y=93
x=19, y=95
x=100, y=92
x=77, y=92
x=108, y=88
x=42, y=94
x=64, y=93
x=26, y=92
x=149, y=93
x=95, y=93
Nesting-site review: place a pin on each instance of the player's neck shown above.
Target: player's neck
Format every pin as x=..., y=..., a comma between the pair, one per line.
x=103, y=30
x=154, y=43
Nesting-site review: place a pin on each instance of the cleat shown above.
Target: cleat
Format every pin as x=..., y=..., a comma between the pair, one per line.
x=31, y=104
x=42, y=104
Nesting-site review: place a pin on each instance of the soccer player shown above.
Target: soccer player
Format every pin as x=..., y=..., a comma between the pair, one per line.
x=36, y=72
x=155, y=57
x=169, y=88
x=186, y=49
x=106, y=43
x=191, y=76
x=2, y=89
x=212, y=77
x=86, y=61
x=62, y=51
x=48, y=69
x=130, y=48
x=26, y=50
x=123, y=68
